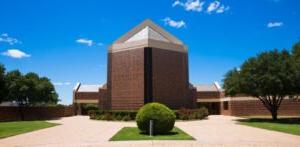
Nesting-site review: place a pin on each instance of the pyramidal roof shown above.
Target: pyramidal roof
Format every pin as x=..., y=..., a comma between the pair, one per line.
x=147, y=33
x=148, y=30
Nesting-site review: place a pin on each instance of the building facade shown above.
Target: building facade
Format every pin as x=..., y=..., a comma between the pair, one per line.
x=148, y=64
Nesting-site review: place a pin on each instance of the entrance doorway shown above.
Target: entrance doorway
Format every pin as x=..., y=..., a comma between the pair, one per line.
x=213, y=107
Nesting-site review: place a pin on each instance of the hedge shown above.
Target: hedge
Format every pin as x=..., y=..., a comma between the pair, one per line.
x=88, y=107
x=124, y=115
x=191, y=114
x=129, y=115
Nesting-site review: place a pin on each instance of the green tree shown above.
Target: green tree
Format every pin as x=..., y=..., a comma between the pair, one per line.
x=31, y=80
x=45, y=92
x=296, y=60
x=3, y=90
x=14, y=83
x=231, y=82
x=29, y=90
x=296, y=51
x=270, y=77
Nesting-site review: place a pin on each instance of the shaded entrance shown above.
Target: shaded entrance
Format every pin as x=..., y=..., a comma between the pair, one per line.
x=213, y=107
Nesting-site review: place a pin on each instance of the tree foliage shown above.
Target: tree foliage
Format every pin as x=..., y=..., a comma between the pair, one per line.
x=163, y=118
x=231, y=82
x=296, y=60
x=270, y=76
x=3, y=89
x=296, y=51
x=27, y=90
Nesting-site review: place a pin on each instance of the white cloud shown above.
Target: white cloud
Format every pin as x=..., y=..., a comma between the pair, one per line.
x=10, y=40
x=176, y=24
x=62, y=83
x=213, y=6
x=222, y=9
x=15, y=53
x=177, y=3
x=274, y=24
x=198, y=5
x=190, y=5
x=216, y=7
x=87, y=42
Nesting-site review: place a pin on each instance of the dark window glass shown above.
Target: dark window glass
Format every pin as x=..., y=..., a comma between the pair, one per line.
x=148, y=75
x=225, y=105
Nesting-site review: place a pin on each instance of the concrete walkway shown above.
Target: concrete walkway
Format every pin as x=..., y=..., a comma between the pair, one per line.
x=215, y=131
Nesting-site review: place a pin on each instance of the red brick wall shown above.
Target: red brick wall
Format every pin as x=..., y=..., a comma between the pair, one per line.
x=192, y=97
x=125, y=88
x=103, y=98
x=170, y=78
x=126, y=79
x=87, y=95
x=208, y=95
x=223, y=111
x=34, y=113
x=255, y=107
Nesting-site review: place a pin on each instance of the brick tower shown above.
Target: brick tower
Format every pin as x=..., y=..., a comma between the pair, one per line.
x=147, y=64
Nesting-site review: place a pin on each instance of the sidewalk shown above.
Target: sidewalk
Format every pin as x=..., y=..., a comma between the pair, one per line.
x=215, y=131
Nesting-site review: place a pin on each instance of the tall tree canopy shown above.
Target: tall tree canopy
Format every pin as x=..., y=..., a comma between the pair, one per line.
x=270, y=77
x=296, y=51
x=296, y=60
x=14, y=84
x=2, y=83
x=27, y=90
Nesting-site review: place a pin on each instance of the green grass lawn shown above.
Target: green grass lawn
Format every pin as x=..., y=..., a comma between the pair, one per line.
x=18, y=127
x=133, y=133
x=286, y=125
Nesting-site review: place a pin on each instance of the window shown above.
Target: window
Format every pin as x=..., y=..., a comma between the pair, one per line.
x=225, y=105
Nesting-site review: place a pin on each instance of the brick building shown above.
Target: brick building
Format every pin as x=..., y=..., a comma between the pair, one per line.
x=148, y=64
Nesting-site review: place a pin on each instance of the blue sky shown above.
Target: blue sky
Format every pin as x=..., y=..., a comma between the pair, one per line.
x=67, y=40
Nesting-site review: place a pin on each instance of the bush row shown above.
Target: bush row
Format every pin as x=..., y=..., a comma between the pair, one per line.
x=128, y=115
x=88, y=107
x=124, y=115
x=191, y=114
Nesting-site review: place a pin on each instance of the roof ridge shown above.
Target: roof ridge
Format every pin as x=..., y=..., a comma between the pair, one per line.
x=154, y=27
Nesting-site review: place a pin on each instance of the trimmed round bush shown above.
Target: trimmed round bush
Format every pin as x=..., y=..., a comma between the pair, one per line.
x=163, y=118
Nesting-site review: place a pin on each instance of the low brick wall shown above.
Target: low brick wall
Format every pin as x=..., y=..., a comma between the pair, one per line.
x=35, y=113
x=255, y=107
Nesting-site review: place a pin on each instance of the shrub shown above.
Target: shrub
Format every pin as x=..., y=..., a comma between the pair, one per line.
x=92, y=114
x=126, y=118
x=163, y=118
x=88, y=107
x=118, y=117
x=130, y=113
x=112, y=114
x=202, y=113
x=191, y=114
x=181, y=114
x=99, y=117
x=108, y=116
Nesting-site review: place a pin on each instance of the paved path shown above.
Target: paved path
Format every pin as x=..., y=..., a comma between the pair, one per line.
x=215, y=131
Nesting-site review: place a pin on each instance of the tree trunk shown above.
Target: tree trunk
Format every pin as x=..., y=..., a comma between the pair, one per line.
x=274, y=114
x=272, y=104
x=21, y=112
